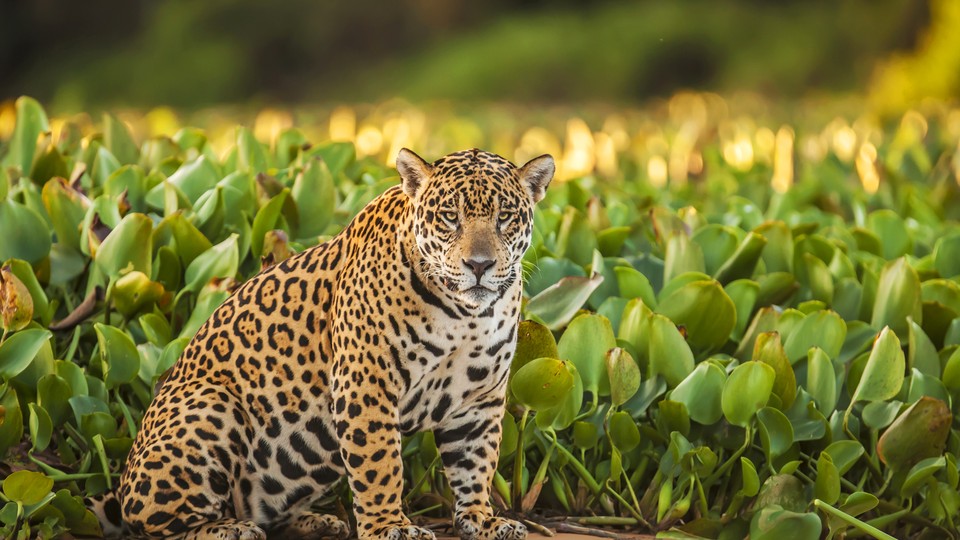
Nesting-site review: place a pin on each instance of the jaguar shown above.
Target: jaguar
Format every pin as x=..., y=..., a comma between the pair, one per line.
x=316, y=367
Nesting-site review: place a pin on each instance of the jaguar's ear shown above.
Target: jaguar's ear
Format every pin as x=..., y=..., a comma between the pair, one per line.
x=536, y=176
x=413, y=170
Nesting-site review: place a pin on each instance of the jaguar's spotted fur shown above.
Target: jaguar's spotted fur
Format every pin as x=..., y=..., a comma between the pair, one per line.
x=405, y=321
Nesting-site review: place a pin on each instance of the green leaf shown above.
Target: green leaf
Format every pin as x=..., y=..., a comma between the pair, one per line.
x=575, y=239
x=53, y=391
x=743, y=262
x=192, y=179
x=672, y=418
x=889, y=226
x=41, y=427
x=134, y=292
x=782, y=490
x=156, y=329
x=585, y=435
x=821, y=379
x=951, y=372
x=27, y=487
x=73, y=375
x=880, y=414
x=337, y=155
x=32, y=241
x=700, y=392
x=634, y=331
x=623, y=431
x=769, y=351
x=585, y=343
x=121, y=361
x=743, y=293
x=633, y=284
x=104, y=165
x=98, y=423
x=919, y=474
x=669, y=354
x=679, y=282
x=747, y=390
x=86, y=405
x=776, y=288
x=171, y=353
x=844, y=454
x=624, y=376
x=777, y=254
x=27, y=276
x=118, y=140
x=883, y=375
x=774, y=523
x=545, y=272
x=534, y=340
x=946, y=255
x=316, y=198
x=827, y=485
x=922, y=355
x=920, y=432
x=750, y=481
x=251, y=156
x=208, y=301
x=818, y=278
x=67, y=208
x=562, y=415
x=823, y=329
x=717, y=243
x=542, y=383
x=128, y=247
x=16, y=302
x=776, y=432
x=705, y=310
x=220, y=261
x=188, y=241
x=611, y=239
x=31, y=122
x=11, y=426
x=898, y=297
x=682, y=255
x=267, y=219
x=19, y=350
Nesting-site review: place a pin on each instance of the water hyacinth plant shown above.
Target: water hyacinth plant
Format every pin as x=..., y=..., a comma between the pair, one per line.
x=723, y=334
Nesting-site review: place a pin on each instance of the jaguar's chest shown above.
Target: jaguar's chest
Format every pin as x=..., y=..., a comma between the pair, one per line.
x=452, y=366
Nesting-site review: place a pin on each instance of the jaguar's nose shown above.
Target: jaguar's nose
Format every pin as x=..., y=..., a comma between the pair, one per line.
x=478, y=266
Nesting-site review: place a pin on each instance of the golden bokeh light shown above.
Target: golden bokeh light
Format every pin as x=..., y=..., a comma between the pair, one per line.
x=783, y=160
x=8, y=119
x=369, y=141
x=343, y=124
x=867, y=168
x=738, y=153
x=844, y=141
x=578, y=153
x=657, y=171
x=269, y=123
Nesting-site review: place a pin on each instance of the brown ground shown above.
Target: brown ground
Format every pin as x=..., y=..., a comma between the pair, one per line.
x=569, y=536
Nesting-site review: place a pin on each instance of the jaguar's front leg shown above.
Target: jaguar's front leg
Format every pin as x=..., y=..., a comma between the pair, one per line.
x=367, y=422
x=469, y=444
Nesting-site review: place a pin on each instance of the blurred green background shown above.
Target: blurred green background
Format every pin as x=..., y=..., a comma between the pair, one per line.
x=191, y=54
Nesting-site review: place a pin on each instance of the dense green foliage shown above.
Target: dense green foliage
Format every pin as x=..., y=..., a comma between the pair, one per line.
x=705, y=359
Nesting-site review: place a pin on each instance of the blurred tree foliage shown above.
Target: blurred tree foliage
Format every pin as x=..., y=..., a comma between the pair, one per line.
x=188, y=53
x=932, y=70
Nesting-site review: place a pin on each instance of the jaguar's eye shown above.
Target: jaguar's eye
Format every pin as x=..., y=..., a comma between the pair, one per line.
x=504, y=217
x=449, y=216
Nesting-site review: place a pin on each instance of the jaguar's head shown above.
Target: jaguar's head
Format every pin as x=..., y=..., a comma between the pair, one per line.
x=473, y=217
